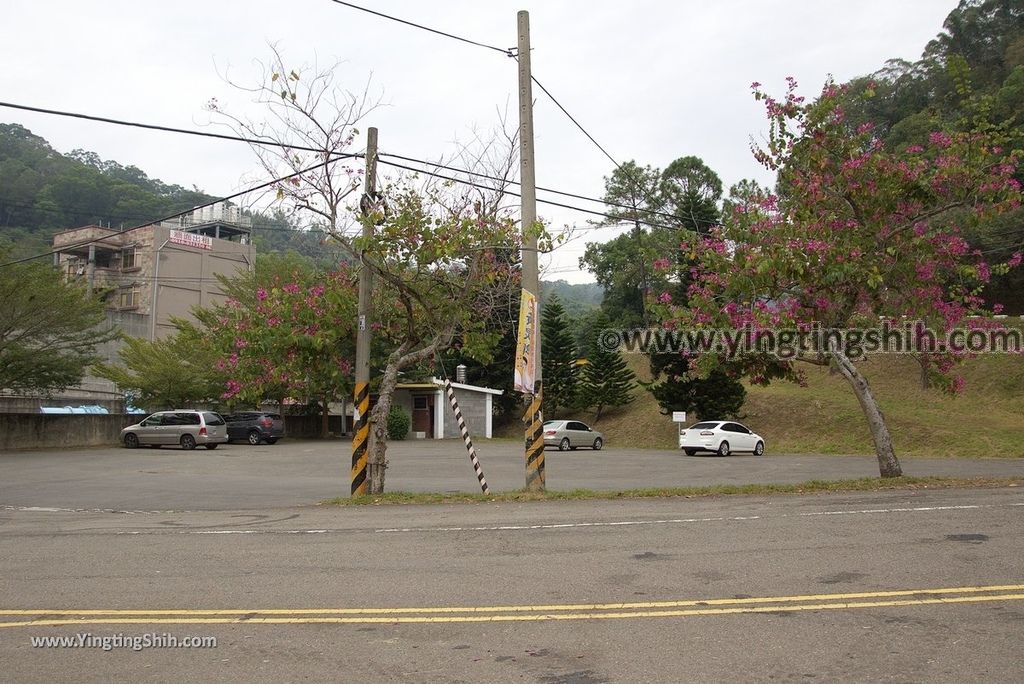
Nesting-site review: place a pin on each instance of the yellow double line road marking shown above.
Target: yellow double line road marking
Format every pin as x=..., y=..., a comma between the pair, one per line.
x=525, y=613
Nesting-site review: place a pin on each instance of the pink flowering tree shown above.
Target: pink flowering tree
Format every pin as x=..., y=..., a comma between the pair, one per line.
x=286, y=335
x=854, y=232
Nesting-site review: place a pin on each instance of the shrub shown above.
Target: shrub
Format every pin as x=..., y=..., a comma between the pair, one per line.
x=398, y=423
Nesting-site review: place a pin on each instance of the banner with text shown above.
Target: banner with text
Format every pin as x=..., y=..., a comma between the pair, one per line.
x=526, y=344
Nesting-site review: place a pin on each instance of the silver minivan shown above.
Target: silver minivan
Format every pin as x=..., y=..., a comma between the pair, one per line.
x=183, y=427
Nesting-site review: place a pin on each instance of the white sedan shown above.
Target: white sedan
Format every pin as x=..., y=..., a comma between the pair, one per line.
x=721, y=437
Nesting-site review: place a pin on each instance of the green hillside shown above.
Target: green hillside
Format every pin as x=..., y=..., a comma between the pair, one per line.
x=987, y=419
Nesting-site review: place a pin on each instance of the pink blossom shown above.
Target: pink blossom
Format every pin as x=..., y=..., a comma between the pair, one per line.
x=261, y=294
x=939, y=138
x=665, y=298
x=233, y=387
x=661, y=264
x=1015, y=260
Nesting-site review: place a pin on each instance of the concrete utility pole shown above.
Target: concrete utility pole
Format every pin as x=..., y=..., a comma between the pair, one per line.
x=531, y=276
x=361, y=431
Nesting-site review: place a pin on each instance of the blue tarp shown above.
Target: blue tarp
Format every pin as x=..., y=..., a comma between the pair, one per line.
x=73, y=409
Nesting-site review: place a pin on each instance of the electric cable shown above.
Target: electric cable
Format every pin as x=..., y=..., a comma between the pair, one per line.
x=168, y=129
x=505, y=51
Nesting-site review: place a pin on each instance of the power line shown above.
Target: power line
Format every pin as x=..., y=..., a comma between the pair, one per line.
x=167, y=129
x=516, y=194
x=257, y=226
x=505, y=51
x=578, y=124
x=344, y=155
x=512, y=53
x=170, y=217
x=563, y=193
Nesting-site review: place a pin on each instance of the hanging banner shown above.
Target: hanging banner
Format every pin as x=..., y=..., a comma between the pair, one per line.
x=180, y=237
x=526, y=344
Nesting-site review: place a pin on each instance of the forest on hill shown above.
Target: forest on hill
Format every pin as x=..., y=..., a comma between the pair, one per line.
x=43, y=192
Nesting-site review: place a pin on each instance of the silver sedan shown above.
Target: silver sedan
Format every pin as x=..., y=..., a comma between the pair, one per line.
x=571, y=434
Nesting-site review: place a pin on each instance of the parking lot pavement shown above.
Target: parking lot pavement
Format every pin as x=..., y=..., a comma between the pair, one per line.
x=297, y=473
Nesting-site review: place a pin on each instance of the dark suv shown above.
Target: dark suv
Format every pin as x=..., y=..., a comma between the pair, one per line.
x=255, y=427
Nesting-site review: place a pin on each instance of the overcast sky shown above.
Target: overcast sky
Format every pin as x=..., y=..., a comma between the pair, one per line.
x=651, y=81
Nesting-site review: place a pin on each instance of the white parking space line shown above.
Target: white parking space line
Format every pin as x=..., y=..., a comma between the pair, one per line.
x=517, y=528
x=593, y=524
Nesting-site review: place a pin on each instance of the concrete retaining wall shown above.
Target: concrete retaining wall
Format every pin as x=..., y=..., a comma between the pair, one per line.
x=42, y=431
x=48, y=431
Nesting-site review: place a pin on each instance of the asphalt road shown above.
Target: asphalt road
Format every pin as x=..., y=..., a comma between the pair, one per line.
x=296, y=473
x=895, y=586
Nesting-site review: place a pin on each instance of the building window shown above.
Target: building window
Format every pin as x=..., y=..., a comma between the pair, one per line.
x=129, y=297
x=129, y=259
x=419, y=403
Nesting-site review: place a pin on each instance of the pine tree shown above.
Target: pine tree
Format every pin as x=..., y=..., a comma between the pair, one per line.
x=558, y=359
x=605, y=381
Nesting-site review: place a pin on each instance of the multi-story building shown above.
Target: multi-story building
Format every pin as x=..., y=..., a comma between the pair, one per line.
x=150, y=274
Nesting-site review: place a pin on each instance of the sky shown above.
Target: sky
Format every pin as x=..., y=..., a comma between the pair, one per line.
x=651, y=81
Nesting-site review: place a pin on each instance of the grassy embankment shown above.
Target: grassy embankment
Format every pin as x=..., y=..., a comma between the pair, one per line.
x=987, y=419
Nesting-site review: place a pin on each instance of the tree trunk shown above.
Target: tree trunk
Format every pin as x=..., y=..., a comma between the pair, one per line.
x=399, y=359
x=378, y=448
x=888, y=464
x=325, y=428
x=926, y=381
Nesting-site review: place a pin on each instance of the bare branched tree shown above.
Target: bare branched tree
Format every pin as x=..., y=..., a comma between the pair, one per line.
x=444, y=254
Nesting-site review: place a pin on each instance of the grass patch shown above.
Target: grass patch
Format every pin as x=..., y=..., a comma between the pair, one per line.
x=986, y=420
x=812, y=486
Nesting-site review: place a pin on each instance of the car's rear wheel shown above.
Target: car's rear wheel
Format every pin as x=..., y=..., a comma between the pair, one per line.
x=211, y=447
x=131, y=441
x=254, y=437
x=598, y=443
x=723, y=449
x=759, y=449
x=188, y=442
x=690, y=452
x=564, y=444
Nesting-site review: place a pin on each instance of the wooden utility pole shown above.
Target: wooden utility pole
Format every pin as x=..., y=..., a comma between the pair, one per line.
x=361, y=431
x=531, y=276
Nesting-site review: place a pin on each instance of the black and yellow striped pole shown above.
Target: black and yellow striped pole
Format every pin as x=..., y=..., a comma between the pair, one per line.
x=535, y=479
x=361, y=429
x=361, y=439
